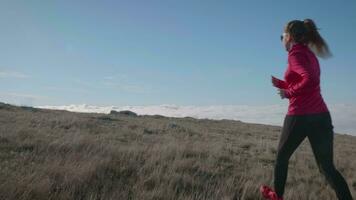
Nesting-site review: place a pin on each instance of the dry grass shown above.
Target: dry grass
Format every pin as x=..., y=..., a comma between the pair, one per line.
x=62, y=155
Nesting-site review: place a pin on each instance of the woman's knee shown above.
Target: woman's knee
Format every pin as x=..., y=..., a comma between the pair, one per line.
x=282, y=159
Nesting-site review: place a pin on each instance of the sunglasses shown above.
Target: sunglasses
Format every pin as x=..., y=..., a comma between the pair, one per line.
x=283, y=35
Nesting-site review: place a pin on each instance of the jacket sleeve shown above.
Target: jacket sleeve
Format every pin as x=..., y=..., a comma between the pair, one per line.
x=281, y=84
x=299, y=64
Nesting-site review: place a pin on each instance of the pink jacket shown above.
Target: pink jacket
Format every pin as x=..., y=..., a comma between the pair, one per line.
x=302, y=82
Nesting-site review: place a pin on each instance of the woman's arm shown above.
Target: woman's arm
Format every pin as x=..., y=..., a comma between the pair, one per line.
x=279, y=83
x=299, y=64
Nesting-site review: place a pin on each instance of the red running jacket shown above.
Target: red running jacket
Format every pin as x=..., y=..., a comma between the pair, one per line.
x=302, y=82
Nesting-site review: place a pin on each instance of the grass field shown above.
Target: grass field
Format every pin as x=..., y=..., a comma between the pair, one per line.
x=48, y=154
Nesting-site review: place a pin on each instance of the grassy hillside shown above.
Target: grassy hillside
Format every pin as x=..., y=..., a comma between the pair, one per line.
x=47, y=154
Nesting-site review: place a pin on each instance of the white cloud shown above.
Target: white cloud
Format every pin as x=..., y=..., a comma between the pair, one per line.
x=12, y=94
x=344, y=118
x=21, y=98
x=343, y=115
x=13, y=74
x=121, y=82
x=66, y=89
x=116, y=83
x=108, y=78
x=116, y=77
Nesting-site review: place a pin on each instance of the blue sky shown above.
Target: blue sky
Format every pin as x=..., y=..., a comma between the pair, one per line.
x=164, y=52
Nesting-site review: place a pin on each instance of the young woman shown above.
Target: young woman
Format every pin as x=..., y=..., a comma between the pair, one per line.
x=308, y=115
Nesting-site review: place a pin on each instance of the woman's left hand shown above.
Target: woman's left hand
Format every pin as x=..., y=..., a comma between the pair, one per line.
x=276, y=82
x=282, y=93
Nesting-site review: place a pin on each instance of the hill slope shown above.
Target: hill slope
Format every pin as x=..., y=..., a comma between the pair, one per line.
x=50, y=154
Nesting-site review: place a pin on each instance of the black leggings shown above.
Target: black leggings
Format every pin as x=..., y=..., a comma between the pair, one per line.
x=319, y=130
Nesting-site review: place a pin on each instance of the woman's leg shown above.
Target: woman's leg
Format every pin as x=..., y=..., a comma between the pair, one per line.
x=321, y=140
x=293, y=133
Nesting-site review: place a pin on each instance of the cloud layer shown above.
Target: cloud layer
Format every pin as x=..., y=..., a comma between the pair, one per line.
x=13, y=74
x=343, y=115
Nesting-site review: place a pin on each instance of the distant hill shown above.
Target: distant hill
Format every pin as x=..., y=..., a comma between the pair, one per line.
x=53, y=154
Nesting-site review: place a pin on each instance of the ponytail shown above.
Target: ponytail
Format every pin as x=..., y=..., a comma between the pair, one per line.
x=306, y=32
x=315, y=41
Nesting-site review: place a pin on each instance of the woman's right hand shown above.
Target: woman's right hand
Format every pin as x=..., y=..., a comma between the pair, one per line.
x=282, y=93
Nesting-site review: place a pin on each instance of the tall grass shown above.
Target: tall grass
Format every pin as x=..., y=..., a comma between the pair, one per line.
x=61, y=155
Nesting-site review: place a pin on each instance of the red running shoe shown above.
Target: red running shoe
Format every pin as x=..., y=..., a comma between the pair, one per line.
x=268, y=193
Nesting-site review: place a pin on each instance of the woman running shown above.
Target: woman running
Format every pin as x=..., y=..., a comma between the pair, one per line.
x=308, y=115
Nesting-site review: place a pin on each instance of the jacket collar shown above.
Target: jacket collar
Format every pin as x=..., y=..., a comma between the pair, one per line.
x=298, y=46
